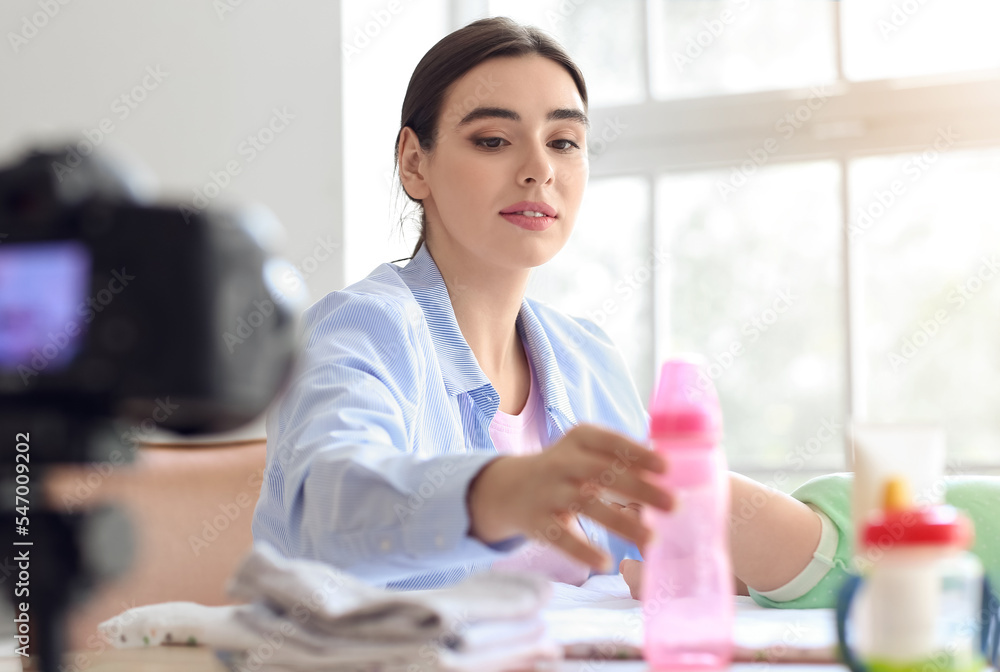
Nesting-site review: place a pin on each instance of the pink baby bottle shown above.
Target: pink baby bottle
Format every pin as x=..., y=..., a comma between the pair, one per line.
x=687, y=580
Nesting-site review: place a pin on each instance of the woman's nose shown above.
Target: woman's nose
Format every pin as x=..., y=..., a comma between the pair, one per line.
x=537, y=167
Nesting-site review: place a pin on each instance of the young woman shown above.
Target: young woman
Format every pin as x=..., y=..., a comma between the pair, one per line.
x=441, y=423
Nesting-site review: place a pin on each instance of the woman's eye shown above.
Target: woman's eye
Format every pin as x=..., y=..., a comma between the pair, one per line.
x=569, y=144
x=562, y=144
x=490, y=143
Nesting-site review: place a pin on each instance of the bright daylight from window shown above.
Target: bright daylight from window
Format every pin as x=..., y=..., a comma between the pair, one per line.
x=808, y=207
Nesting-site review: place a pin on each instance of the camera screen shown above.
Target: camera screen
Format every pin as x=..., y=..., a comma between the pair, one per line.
x=43, y=292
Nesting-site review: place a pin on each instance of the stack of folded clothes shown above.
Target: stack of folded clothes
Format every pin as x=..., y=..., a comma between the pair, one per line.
x=306, y=615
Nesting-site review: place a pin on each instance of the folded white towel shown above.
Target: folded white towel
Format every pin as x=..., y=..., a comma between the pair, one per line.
x=306, y=615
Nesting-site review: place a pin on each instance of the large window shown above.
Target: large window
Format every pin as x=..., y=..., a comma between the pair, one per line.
x=804, y=192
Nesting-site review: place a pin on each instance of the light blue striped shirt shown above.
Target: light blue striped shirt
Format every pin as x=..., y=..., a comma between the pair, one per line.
x=371, y=449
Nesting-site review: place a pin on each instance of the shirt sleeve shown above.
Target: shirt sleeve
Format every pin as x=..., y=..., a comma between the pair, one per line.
x=342, y=483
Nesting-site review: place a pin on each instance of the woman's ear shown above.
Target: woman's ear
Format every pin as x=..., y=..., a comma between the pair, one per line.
x=411, y=160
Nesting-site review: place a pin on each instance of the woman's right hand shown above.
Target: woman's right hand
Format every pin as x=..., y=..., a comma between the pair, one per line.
x=538, y=495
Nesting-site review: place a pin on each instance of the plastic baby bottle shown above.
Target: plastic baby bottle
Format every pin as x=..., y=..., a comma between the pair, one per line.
x=687, y=582
x=918, y=606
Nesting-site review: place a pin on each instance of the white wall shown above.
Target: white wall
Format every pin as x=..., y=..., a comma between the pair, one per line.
x=384, y=41
x=225, y=73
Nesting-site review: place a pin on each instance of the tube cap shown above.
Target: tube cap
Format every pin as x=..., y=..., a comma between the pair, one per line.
x=930, y=526
x=900, y=523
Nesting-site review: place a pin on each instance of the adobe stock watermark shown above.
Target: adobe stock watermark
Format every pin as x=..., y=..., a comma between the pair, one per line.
x=33, y=23
x=801, y=454
x=121, y=107
x=225, y=7
x=865, y=559
x=98, y=643
x=562, y=12
x=246, y=326
x=272, y=641
x=84, y=487
x=914, y=168
x=932, y=494
x=771, y=654
x=257, y=316
x=796, y=458
x=899, y=16
x=249, y=149
x=323, y=252
x=362, y=36
x=786, y=127
x=72, y=330
x=434, y=480
x=593, y=489
x=484, y=87
x=711, y=30
x=427, y=658
x=220, y=522
x=544, y=539
x=753, y=329
x=212, y=528
x=626, y=287
x=430, y=653
x=143, y=429
x=927, y=329
x=598, y=143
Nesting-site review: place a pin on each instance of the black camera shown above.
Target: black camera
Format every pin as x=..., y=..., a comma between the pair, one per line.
x=112, y=308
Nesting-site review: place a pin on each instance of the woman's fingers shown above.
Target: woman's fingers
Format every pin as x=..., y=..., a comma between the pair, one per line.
x=639, y=491
x=572, y=546
x=624, y=451
x=603, y=476
x=573, y=476
x=609, y=461
x=633, y=509
x=619, y=522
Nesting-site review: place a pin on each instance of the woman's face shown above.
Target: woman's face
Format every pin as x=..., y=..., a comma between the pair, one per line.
x=511, y=138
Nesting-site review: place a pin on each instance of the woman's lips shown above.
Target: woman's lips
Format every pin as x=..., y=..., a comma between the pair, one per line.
x=529, y=223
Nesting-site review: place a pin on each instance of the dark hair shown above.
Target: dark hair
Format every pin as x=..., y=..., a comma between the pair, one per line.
x=453, y=56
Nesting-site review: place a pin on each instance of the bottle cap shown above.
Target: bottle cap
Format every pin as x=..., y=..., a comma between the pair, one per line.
x=684, y=403
x=900, y=523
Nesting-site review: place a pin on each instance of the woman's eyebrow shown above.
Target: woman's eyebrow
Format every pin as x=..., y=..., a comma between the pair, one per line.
x=504, y=113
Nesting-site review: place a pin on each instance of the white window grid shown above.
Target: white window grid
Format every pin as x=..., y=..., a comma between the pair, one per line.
x=858, y=119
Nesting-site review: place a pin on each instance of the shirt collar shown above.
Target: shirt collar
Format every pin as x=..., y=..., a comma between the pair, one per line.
x=459, y=366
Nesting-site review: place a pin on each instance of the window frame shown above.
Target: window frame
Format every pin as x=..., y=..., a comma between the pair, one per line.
x=856, y=119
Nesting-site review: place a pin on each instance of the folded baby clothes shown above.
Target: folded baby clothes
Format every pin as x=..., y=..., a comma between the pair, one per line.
x=306, y=615
x=177, y=623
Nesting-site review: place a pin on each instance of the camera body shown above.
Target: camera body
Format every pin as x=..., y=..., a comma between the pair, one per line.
x=109, y=306
x=114, y=309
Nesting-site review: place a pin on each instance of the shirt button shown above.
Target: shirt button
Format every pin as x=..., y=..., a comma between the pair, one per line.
x=439, y=540
x=385, y=545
